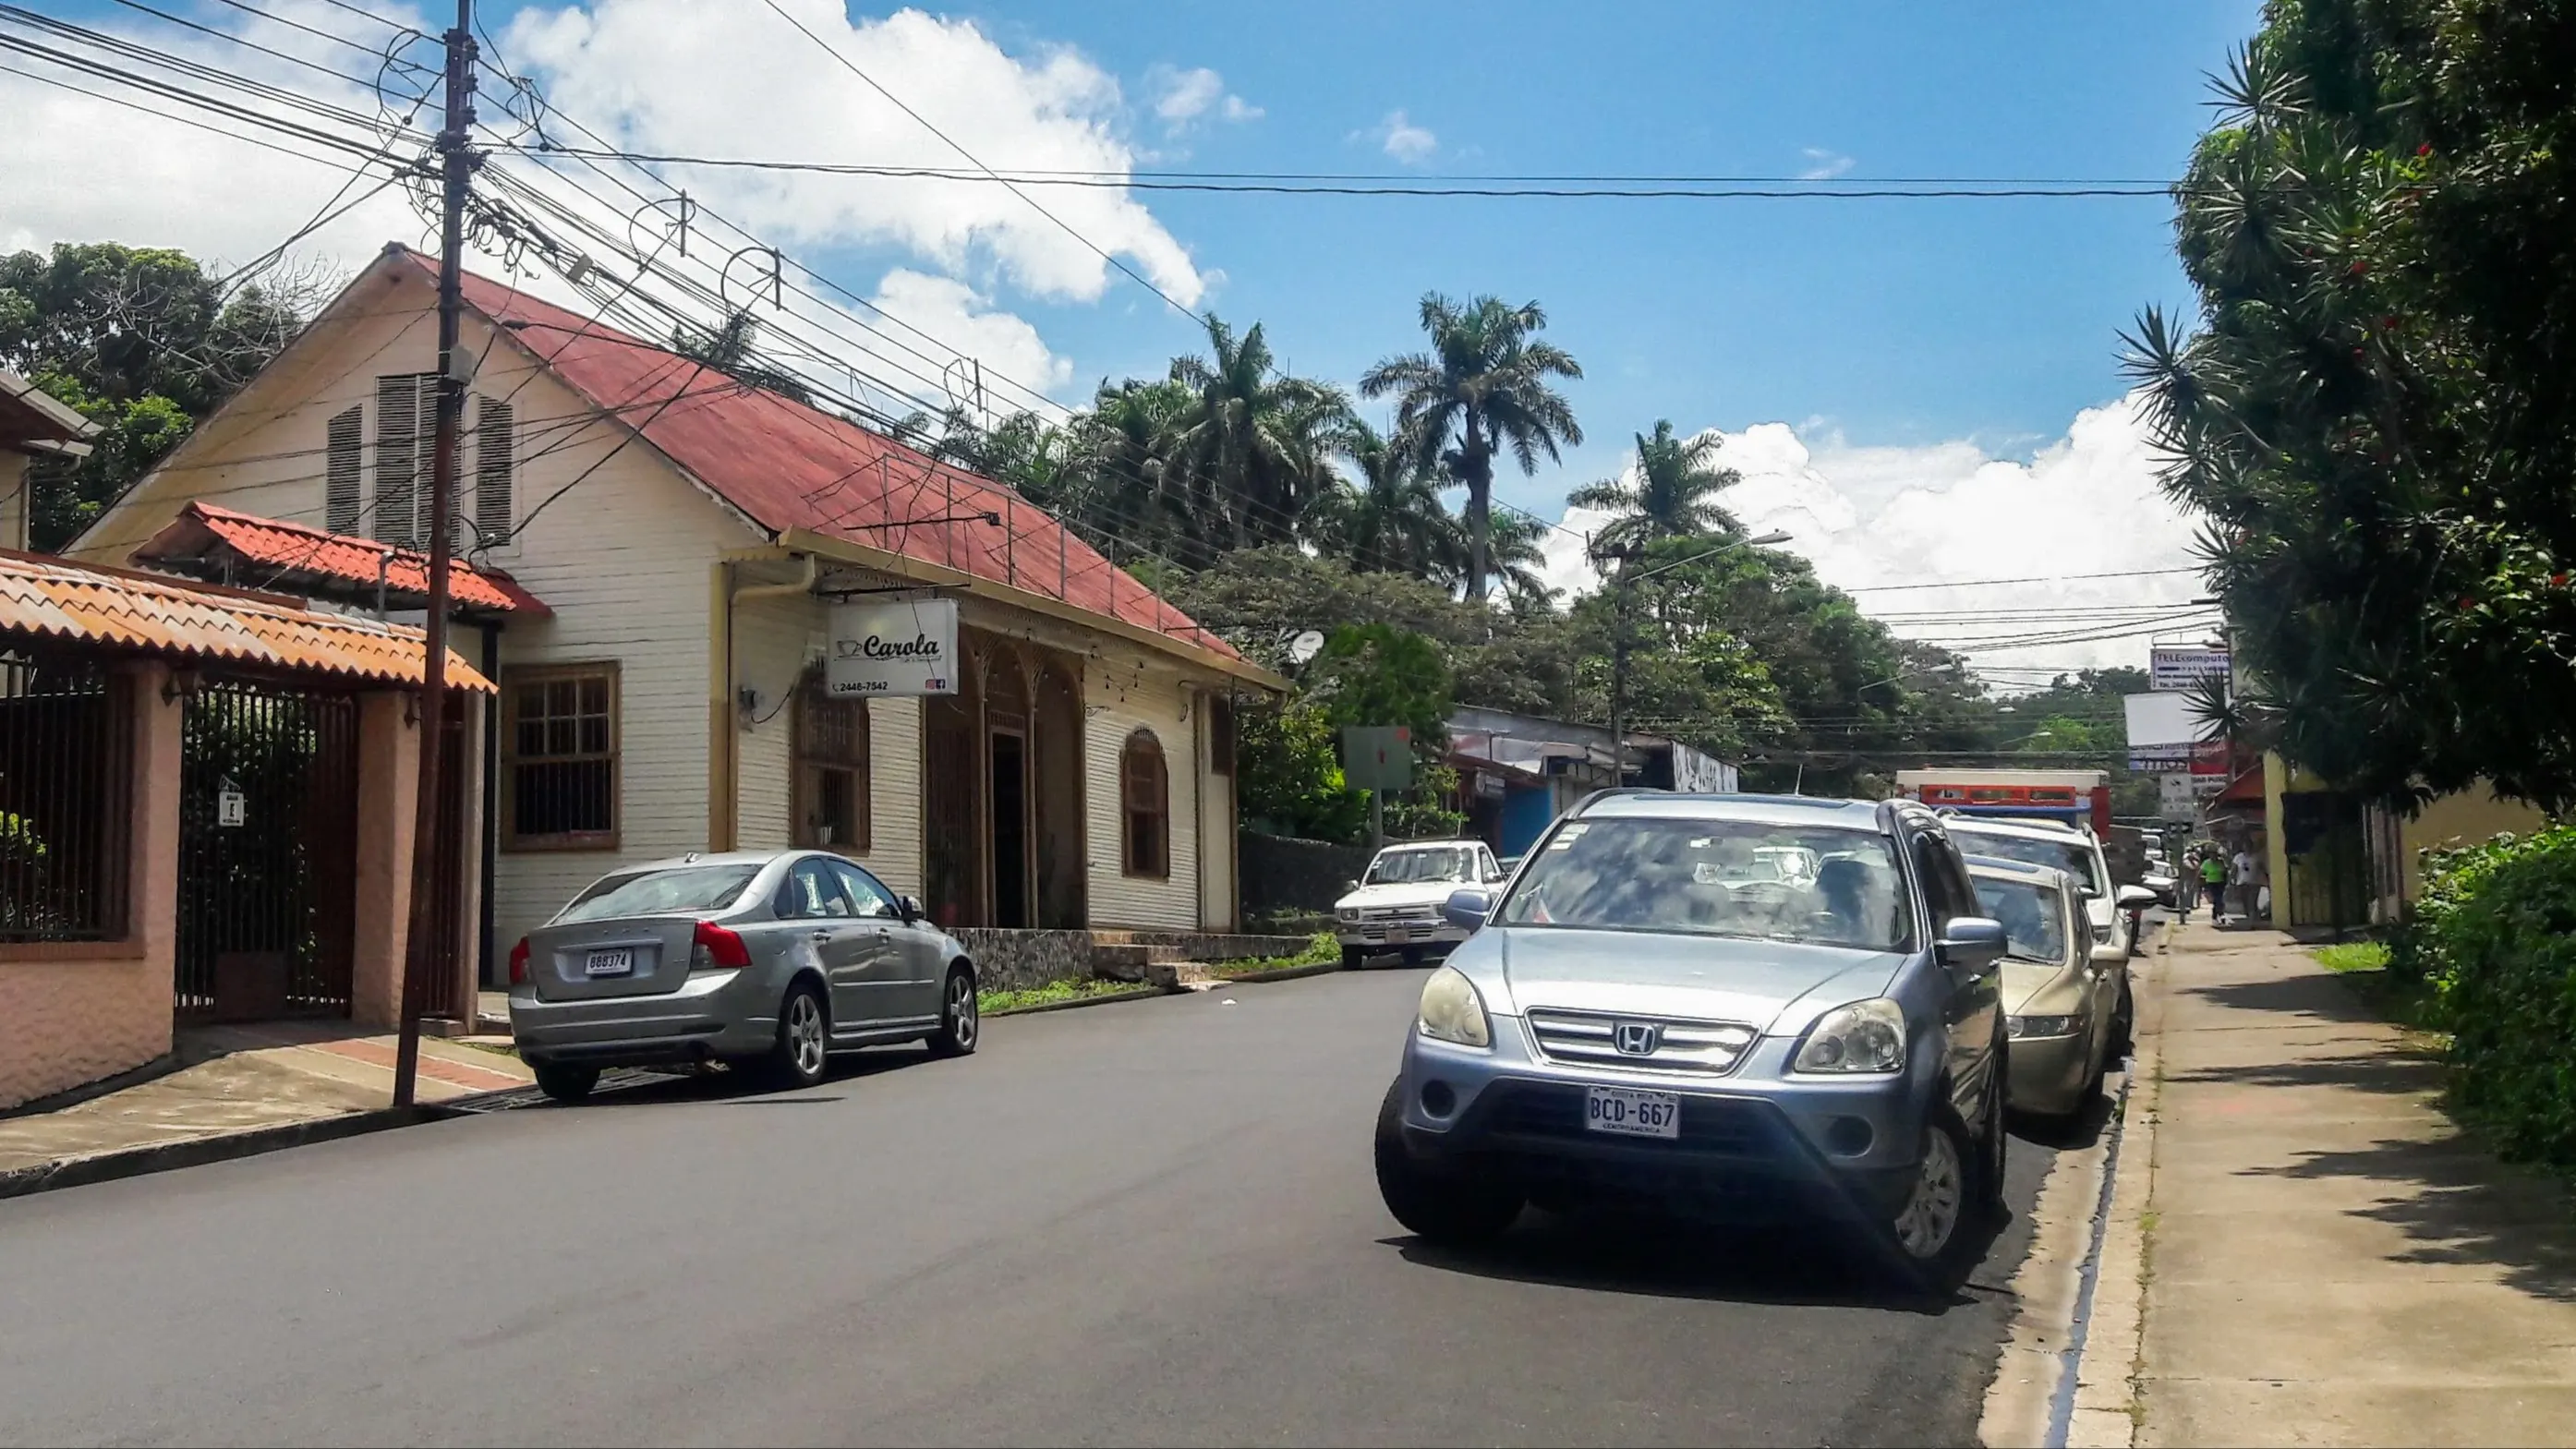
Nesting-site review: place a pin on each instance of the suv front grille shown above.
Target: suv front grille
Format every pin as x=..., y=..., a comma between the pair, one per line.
x=1593, y=1038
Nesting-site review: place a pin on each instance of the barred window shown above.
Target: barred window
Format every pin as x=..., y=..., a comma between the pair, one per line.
x=831, y=761
x=1145, y=796
x=560, y=762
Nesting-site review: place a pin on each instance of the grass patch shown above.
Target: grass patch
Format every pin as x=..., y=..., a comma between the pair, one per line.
x=1321, y=949
x=1054, y=991
x=2353, y=956
x=2402, y=999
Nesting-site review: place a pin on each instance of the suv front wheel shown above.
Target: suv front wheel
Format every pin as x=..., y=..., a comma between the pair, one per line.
x=1933, y=1222
x=1448, y=1207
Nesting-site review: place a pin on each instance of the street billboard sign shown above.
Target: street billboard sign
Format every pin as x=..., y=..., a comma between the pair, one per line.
x=2179, y=667
x=2162, y=733
x=2175, y=798
x=1377, y=757
x=906, y=647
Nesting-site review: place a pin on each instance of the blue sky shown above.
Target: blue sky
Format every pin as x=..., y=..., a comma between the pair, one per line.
x=1918, y=389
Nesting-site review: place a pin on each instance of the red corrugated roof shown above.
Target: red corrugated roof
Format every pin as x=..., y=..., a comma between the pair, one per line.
x=788, y=466
x=45, y=597
x=291, y=549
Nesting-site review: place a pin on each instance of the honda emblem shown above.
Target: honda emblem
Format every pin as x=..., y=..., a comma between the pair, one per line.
x=1637, y=1038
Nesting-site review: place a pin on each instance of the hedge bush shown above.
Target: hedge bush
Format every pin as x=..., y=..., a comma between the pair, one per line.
x=2495, y=935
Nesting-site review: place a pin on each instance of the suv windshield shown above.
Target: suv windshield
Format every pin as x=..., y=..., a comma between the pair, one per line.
x=677, y=891
x=2034, y=922
x=1713, y=878
x=2073, y=856
x=1417, y=867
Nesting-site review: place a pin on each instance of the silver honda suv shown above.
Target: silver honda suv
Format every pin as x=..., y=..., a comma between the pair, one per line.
x=1653, y=1012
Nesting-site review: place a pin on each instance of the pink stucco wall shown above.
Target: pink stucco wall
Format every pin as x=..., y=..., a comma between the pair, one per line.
x=70, y=1015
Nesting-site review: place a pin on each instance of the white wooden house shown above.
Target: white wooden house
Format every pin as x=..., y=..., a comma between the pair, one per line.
x=686, y=534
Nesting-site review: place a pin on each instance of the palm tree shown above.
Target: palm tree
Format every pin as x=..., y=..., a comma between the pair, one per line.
x=729, y=348
x=1254, y=446
x=1392, y=521
x=1517, y=558
x=1483, y=388
x=1674, y=492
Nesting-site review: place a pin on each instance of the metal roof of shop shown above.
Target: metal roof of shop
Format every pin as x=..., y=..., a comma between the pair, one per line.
x=50, y=598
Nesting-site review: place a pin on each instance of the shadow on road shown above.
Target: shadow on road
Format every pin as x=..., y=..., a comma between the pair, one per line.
x=1818, y=1265
x=728, y=1087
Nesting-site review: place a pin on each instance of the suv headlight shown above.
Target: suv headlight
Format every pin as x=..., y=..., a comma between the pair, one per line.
x=1866, y=1036
x=1452, y=1011
x=1348, y=913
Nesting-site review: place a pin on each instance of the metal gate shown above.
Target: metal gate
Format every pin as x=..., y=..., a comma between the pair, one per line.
x=268, y=845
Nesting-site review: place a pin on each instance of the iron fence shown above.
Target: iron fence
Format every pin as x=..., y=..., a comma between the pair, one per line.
x=66, y=799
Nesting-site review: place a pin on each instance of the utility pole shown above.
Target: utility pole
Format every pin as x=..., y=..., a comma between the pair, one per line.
x=457, y=161
x=1619, y=673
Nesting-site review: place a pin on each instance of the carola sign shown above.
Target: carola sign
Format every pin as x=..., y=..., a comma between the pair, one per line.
x=908, y=647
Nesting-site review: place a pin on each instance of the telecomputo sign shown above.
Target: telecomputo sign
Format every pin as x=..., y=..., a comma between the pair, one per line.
x=903, y=648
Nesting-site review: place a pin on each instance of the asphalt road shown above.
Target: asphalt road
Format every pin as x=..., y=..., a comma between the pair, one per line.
x=1150, y=1222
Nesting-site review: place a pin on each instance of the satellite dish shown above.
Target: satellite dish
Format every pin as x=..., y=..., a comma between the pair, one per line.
x=1305, y=646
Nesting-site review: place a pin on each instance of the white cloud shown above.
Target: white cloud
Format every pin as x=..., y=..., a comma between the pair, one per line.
x=1403, y=140
x=1824, y=165
x=676, y=76
x=952, y=312
x=1866, y=516
x=1184, y=96
x=661, y=74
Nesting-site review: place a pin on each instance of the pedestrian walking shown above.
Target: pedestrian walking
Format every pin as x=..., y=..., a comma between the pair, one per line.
x=2213, y=882
x=2240, y=872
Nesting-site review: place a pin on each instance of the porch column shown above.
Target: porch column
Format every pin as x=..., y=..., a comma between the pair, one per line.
x=388, y=793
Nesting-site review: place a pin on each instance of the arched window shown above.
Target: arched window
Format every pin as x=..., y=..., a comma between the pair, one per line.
x=1145, y=806
x=831, y=790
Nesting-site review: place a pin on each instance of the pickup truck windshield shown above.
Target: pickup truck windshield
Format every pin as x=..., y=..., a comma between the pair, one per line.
x=1715, y=878
x=1416, y=867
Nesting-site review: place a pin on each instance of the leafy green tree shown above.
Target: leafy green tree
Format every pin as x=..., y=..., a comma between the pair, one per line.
x=2376, y=411
x=1290, y=771
x=141, y=341
x=1673, y=492
x=1391, y=520
x=1485, y=387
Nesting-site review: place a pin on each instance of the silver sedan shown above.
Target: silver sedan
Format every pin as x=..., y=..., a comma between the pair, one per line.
x=767, y=960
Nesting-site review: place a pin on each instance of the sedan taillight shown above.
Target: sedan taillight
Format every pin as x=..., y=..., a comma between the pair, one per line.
x=519, y=963
x=716, y=949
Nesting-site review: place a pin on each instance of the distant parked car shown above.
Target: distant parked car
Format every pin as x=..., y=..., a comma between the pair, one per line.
x=1647, y=1014
x=1395, y=907
x=767, y=960
x=2065, y=1007
x=2112, y=911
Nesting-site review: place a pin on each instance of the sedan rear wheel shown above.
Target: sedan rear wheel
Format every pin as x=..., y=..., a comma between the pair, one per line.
x=565, y=1083
x=804, y=1039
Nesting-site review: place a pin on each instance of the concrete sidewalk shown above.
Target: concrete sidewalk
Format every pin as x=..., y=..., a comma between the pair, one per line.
x=2327, y=1260
x=239, y=1080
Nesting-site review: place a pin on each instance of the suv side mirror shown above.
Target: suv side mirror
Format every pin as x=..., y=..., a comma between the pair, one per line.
x=1466, y=908
x=2133, y=898
x=1972, y=942
x=909, y=907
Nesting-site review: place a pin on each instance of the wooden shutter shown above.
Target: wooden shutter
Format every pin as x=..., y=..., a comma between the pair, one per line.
x=343, y=473
x=398, y=437
x=495, y=433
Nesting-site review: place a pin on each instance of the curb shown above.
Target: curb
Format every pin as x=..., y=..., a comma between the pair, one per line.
x=1103, y=999
x=1284, y=973
x=198, y=1151
x=2107, y=1387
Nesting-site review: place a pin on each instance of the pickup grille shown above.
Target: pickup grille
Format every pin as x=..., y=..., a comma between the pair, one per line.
x=1592, y=1039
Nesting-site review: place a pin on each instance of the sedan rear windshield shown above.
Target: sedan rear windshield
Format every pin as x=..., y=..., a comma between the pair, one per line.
x=677, y=891
x=2033, y=916
x=2075, y=857
x=1715, y=878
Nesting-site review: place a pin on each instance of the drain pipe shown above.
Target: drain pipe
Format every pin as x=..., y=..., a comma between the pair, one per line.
x=728, y=740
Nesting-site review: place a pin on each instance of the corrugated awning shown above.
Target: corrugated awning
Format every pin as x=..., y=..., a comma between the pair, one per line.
x=50, y=598
x=205, y=539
